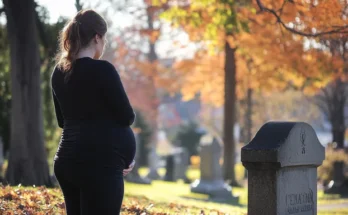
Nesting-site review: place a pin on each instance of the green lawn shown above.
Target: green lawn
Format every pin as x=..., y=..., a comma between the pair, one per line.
x=179, y=193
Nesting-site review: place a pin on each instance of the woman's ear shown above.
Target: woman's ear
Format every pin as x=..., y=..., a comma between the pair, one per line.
x=96, y=38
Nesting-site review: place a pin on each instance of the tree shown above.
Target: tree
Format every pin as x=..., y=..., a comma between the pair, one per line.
x=332, y=101
x=27, y=161
x=328, y=48
x=255, y=47
x=5, y=89
x=309, y=18
x=326, y=22
x=216, y=22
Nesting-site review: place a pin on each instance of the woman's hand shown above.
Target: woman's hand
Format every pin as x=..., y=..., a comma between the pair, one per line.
x=130, y=168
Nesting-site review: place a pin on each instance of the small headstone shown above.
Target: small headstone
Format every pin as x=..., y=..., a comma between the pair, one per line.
x=282, y=162
x=211, y=181
x=134, y=176
x=169, y=176
x=339, y=184
x=153, y=165
x=181, y=164
x=176, y=165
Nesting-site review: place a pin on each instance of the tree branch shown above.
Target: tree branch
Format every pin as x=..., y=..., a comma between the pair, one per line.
x=338, y=29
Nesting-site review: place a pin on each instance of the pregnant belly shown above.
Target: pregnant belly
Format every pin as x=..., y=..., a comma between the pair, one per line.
x=97, y=144
x=123, y=143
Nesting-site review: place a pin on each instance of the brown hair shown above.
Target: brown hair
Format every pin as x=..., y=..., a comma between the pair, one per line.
x=76, y=35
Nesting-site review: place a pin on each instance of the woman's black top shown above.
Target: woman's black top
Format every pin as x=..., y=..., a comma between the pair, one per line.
x=93, y=109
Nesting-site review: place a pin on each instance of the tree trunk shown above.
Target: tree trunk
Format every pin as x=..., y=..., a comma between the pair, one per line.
x=229, y=115
x=248, y=121
x=337, y=116
x=152, y=57
x=28, y=159
x=338, y=136
x=248, y=117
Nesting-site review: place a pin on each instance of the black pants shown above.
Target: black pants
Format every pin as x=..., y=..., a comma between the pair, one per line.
x=90, y=189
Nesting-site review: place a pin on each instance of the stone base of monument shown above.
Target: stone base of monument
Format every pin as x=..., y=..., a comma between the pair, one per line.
x=217, y=190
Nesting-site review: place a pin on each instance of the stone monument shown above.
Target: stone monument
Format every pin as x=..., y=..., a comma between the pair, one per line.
x=211, y=181
x=153, y=165
x=169, y=176
x=282, y=162
x=176, y=165
x=181, y=163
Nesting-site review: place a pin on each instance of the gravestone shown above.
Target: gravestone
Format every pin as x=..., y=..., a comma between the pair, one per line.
x=134, y=176
x=176, y=165
x=282, y=162
x=181, y=163
x=339, y=184
x=211, y=181
x=169, y=176
x=153, y=165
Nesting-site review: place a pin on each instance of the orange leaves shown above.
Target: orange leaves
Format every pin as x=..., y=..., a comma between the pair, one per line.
x=310, y=17
x=203, y=74
x=232, y=41
x=33, y=201
x=153, y=35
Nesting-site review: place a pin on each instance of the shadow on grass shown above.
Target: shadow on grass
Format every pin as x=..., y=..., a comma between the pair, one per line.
x=234, y=201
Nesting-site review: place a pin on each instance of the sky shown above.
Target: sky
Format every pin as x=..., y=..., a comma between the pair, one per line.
x=66, y=8
x=58, y=8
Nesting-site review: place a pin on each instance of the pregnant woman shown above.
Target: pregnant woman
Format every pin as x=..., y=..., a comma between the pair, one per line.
x=97, y=145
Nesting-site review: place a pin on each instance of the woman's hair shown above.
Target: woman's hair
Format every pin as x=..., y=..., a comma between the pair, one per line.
x=76, y=35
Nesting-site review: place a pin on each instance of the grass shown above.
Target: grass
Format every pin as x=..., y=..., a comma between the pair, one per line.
x=342, y=211
x=180, y=193
x=176, y=193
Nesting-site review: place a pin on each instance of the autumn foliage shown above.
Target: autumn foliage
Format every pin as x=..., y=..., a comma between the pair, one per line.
x=269, y=58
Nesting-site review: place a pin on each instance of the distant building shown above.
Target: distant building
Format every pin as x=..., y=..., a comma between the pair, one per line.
x=173, y=111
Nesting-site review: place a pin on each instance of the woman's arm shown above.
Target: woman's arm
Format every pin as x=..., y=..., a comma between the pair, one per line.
x=59, y=114
x=115, y=95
